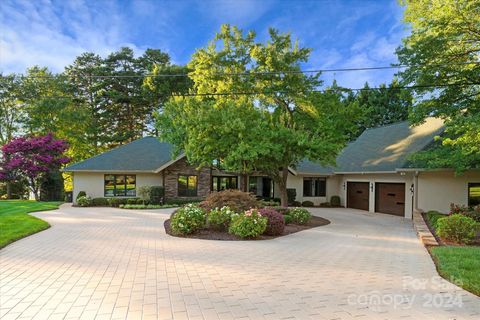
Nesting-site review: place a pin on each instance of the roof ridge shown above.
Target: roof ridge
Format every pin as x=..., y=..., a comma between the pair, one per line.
x=388, y=125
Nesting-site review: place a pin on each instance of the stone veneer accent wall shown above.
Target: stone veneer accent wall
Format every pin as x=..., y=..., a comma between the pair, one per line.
x=181, y=167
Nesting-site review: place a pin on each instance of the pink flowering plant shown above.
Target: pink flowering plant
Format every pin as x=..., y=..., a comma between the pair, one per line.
x=30, y=159
x=249, y=224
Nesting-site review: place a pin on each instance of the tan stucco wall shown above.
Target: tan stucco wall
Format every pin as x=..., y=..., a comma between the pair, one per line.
x=437, y=189
x=296, y=182
x=372, y=179
x=92, y=182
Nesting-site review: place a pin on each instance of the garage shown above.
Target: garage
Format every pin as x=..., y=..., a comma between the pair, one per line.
x=357, y=195
x=390, y=198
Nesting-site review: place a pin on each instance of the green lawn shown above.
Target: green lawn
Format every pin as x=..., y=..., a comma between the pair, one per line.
x=461, y=265
x=15, y=223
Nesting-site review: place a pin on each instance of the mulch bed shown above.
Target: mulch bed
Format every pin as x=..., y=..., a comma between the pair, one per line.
x=475, y=242
x=208, y=234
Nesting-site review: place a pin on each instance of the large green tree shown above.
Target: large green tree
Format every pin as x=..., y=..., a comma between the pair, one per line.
x=254, y=110
x=11, y=107
x=443, y=55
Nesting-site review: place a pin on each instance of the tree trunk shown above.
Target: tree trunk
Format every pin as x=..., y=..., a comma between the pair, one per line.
x=243, y=182
x=282, y=185
x=9, y=190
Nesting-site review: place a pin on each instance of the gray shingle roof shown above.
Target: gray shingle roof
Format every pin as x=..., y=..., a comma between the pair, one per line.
x=387, y=148
x=142, y=155
x=382, y=149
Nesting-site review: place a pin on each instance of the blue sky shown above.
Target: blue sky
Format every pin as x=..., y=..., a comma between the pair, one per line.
x=342, y=34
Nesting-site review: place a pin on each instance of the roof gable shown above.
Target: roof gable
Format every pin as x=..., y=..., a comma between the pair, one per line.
x=387, y=148
x=142, y=155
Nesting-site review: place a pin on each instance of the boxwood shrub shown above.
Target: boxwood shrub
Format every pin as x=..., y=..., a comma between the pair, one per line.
x=307, y=204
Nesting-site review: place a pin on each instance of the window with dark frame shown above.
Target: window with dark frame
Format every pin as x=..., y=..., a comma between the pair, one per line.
x=314, y=187
x=474, y=194
x=187, y=186
x=220, y=183
x=120, y=185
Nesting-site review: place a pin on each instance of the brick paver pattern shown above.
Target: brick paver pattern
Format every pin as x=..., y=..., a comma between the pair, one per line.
x=104, y=263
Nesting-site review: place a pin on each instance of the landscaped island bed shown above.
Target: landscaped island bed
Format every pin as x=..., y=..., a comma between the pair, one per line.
x=16, y=223
x=237, y=215
x=209, y=234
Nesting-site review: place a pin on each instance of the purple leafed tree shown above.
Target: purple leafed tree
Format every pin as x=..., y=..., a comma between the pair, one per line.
x=31, y=159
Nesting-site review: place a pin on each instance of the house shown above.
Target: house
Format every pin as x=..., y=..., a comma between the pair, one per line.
x=373, y=173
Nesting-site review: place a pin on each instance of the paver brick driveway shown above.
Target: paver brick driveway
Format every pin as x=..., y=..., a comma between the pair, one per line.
x=102, y=263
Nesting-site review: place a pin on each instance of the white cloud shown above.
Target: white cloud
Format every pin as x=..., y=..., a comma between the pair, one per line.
x=37, y=33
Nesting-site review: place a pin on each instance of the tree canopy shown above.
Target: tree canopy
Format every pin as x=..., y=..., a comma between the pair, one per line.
x=254, y=110
x=442, y=53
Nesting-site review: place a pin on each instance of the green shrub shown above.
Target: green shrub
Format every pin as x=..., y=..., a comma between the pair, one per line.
x=132, y=200
x=300, y=215
x=116, y=202
x=144, y=206
x=181, y=202
x=288, y=219
x=325, y=204
x=335, y=201
x=152, y=194
x=432, y=217
x=296, y=204
x=81, y=194
x=84, y=201
x=307, y=204
x=99, y=202
x=457, y=228
x=188, y=219
x=236, y=200
x=249, y=224
x=291, y=195
x=219, y=219
x=268, y=203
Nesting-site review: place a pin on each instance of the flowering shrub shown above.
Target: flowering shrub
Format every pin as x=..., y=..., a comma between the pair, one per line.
x=275, y=222
x=237, y=200
x=219, y=219
x=249, y=224
x=188, y=219
x=456, y=208
x=299, y=215
x=457, y=228
x=84, y=201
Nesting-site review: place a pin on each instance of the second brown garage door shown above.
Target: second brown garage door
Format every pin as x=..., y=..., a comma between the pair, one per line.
x=390, y=198
x=357, y=195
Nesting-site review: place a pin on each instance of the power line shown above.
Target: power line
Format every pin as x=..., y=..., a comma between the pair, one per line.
x=284, y=72
x=245, y=93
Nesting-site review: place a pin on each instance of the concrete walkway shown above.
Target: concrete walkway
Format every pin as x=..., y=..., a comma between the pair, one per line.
x=103, y=263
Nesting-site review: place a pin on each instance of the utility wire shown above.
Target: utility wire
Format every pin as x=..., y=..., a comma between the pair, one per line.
x=245, y=93
x=230, y=74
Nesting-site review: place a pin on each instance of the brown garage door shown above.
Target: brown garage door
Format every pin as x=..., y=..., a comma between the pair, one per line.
x=357, y=195
x=390, y=198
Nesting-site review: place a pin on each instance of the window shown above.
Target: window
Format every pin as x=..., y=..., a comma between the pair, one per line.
x=224, y=183
x=187, y=186
x=314, y=187
x=119, y=185
x=474, y=194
